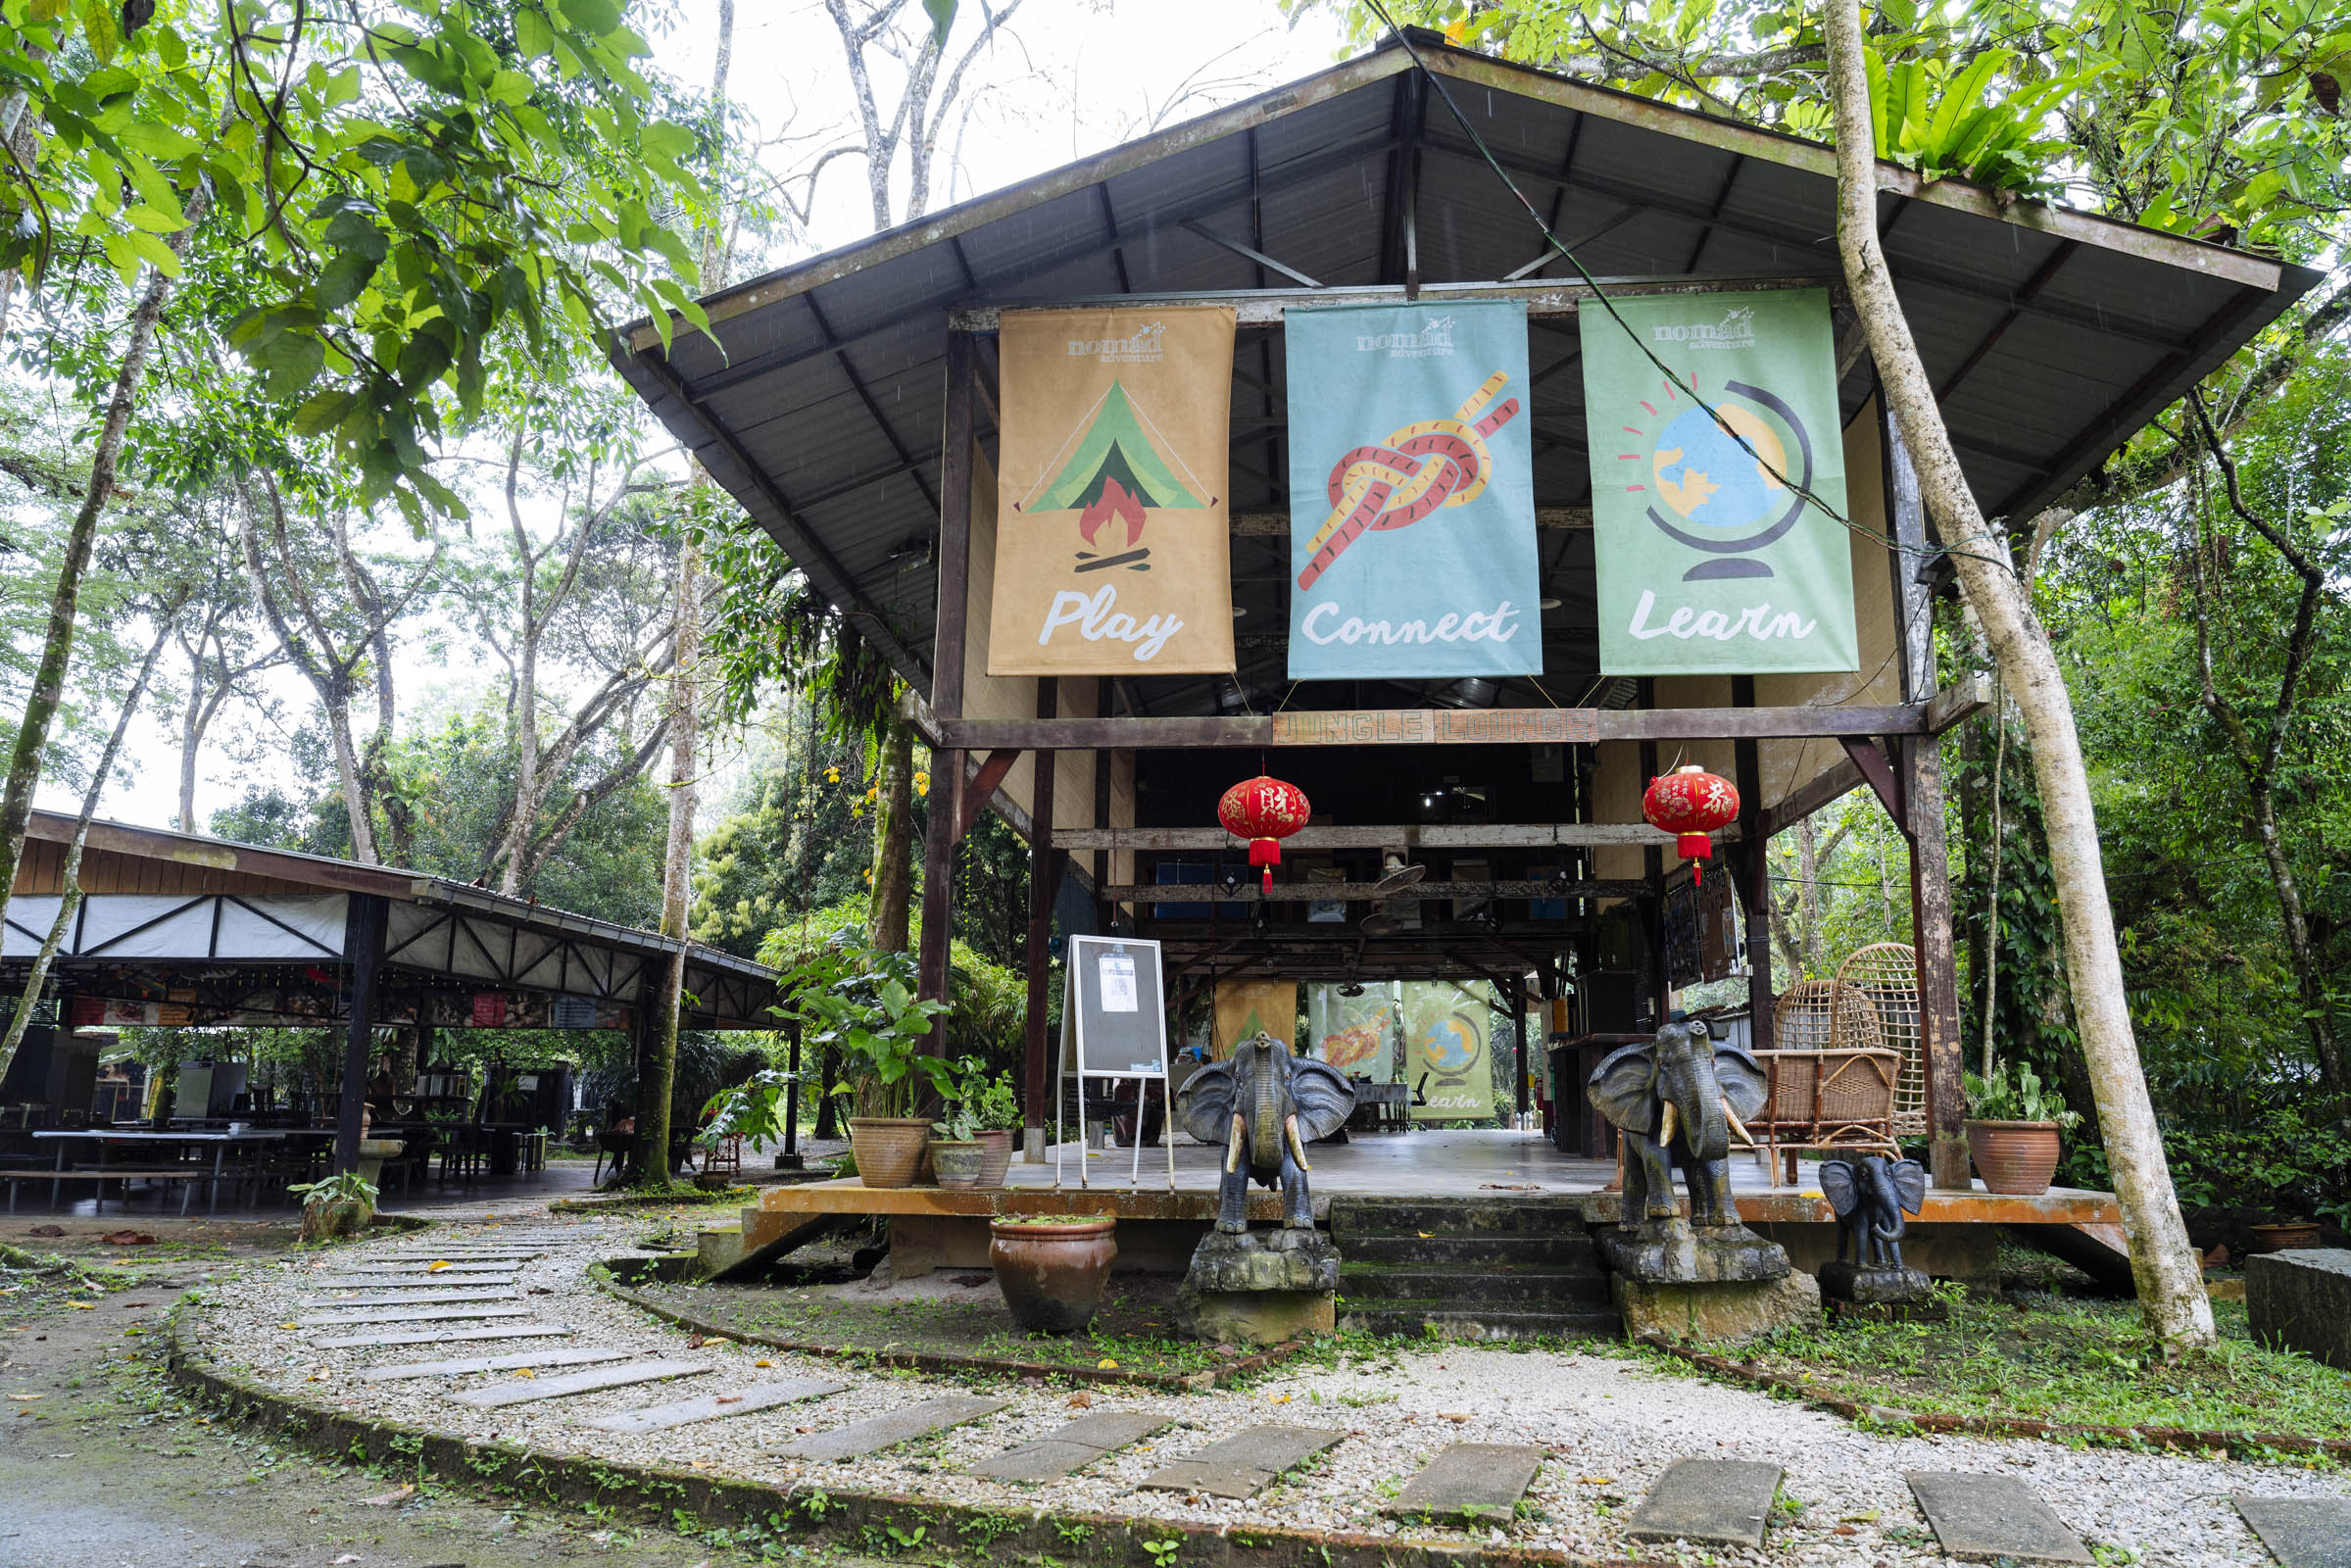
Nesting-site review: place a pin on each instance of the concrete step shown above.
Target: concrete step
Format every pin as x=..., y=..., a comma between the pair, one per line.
x=1440, y=1248
x=1450, y=1320
x=1531, y=1218
x=1565, y=1288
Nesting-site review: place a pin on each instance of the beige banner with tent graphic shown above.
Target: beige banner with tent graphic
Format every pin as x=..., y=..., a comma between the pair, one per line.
x=1112, y=547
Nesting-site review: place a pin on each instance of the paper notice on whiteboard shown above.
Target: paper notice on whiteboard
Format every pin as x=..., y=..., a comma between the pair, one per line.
x=1118, y=972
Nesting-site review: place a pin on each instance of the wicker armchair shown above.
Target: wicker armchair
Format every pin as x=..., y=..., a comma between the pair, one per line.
x=1835, y=1088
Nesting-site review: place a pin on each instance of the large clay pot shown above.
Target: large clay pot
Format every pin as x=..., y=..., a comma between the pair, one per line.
x=1051, y=1273
x=888, y=1148
x=2286, y=1236
x=996, y=1146
x=957, y=1161
x=2016, y=1158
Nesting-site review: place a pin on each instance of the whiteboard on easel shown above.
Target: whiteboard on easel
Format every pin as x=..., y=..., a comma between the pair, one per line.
x=1115, y=1009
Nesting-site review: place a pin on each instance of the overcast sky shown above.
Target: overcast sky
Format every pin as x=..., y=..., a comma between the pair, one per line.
x=1065, y=79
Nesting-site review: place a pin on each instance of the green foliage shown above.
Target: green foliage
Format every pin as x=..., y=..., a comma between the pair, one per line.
x=858, y=1002
x=344, y=1187
x=2013, y=1091
x=382, y=195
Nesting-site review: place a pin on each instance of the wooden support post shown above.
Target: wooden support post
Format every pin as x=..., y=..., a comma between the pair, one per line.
x=1751, y=862
x=1653, y=869
x=1937, y=965
x=1918, y=775
x=790, y=1158
x=1518, y=1025
x=947, y=679
x=363, y=948
x=1037, y=1081
x=1106, y=914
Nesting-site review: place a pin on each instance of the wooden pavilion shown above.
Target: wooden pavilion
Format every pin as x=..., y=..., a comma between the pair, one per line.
x=850, y=403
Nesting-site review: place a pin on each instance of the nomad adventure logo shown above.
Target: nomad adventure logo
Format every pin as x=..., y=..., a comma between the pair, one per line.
x=1735, y=331
x=1143, y=347
x=1433, y=341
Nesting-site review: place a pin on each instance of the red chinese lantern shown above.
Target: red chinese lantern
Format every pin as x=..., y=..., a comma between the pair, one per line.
x=1263, y=810
x=1691, y=802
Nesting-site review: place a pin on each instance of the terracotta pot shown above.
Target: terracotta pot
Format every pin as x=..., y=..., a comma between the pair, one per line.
x=2286, y=1236
x=888, y=1148
x=998, y=1142
x=957, y=1161
x=2016, y=1158
x=1052, y=1275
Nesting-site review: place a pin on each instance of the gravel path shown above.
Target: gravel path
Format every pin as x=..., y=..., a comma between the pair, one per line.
x=1609, y=1424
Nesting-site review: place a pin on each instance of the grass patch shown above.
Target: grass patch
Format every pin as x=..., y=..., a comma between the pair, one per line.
x=2043, y=1358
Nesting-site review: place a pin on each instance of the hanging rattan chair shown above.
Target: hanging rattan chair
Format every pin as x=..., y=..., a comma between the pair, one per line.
x=1886, y=977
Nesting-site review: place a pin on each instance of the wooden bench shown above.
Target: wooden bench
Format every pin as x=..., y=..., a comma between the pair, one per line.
x=189, y=1174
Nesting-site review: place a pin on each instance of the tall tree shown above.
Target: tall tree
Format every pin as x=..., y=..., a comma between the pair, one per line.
x=2165, y=1267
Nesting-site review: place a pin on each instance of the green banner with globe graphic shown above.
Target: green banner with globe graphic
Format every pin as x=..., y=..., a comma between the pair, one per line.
x=1710, y=558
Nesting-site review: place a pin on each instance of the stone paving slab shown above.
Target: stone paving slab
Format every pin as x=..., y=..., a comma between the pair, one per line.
x=1243, y=1464
x=1708, y=1503
x=1073, y=1448
x=395, y=1282
x=532, y=1390
x=413, y=1266
x=553, y=1357
x=1984, y=1518
x=417, y=1298
x=891, y=1428
x=1481, y=1481
x=2301, y=1531
x=393, y=1314
x=371, y=1342
x=718, y=1407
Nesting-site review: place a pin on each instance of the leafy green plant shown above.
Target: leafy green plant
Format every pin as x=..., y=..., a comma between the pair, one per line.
x=344, y=1187
x=964, y=1100
x=1163, y=1552
x=849, y=998
x=2015, y=1092
x=1000, y=1105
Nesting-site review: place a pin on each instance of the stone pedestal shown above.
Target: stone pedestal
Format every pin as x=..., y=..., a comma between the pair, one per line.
x=1259, y=1287
x=1711, y=1282
x=2302, y=1300
x=1854, y=1294
x=1674, y=1251
x=1733, y=1311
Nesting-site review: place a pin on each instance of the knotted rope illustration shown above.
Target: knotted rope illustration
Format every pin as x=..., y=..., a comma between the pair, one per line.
x=1424, y=465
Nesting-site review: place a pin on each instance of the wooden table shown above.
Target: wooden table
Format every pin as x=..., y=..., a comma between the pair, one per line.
x=107, y=1137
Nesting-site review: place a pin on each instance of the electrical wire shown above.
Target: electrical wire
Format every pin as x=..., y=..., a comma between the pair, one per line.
x=1552, y=238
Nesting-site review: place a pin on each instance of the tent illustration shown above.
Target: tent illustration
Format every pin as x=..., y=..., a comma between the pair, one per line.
x=1116, y=465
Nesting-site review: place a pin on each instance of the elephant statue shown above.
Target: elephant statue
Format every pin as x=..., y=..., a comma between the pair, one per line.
x=1263, y=1107
x=1678, y=1098
x=1871, y=1195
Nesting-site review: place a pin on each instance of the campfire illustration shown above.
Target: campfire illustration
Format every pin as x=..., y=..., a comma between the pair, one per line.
x=1114, y=468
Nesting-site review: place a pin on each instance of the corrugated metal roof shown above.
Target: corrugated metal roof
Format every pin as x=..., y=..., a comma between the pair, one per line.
x=2053, y=335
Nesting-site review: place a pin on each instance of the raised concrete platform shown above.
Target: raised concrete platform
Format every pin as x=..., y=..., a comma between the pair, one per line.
x=933, y=1228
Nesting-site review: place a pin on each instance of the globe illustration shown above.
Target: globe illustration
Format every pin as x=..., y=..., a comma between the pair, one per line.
x=1449, y=1045
x=1708, y=479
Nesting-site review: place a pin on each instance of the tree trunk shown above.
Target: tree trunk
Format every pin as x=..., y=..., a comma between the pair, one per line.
x=353, y=777
x=71, y=884
x=65, y=601
x=886, y=921
x=2164, y=1266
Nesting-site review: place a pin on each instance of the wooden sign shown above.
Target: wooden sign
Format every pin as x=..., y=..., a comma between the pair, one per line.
x=1442, y=727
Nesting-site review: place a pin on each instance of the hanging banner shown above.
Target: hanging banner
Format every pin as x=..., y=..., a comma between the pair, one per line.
x=1446, y=1055
x=1245, y=1007
x=1358, y=1035
x=1412, y=493
x=1710, y=561
x=1113, y=542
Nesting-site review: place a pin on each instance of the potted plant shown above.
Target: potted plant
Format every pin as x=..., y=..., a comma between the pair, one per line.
x=2013, y=1134
x=336, y=1207
x=1000, y=1127
x=1052, y=1267
x=957, y=1156
x=862, y=1004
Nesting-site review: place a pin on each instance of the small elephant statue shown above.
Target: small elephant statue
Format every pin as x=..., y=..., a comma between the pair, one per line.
x=1678, y=1098
x=1871, y=1195
x=1264, y=1107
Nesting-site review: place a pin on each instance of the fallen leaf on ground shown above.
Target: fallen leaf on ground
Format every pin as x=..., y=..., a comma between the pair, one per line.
x=83, y=1306
x=349, y=1556
x=20, y=1397
x=289, y=1325
x=1454, y=1415
x=1081, y=1401
x=763, y=1364
x=1597, y=1480
x=436, y=1266
x=729, y=1399
x=524, y=1372
x=408, y=1490
x=46, y=1230
x=1107, y=1364
x=128, y=1239
x=1869, y=1518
